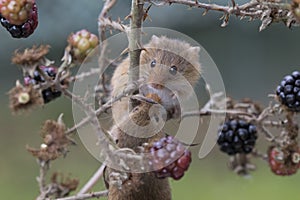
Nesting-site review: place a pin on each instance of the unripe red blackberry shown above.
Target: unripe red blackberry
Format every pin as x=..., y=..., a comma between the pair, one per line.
x=16, y=11
x=237, y=136
x=288, y=92
x=50, y=93
x=283, y=163
x=170, y=158
x=81, y=44
x=19, y=27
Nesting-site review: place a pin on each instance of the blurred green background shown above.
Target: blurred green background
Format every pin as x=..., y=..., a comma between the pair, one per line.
x=251, y=63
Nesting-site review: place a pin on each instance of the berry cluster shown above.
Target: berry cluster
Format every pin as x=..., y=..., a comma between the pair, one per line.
x=19, y=17
x=288, y=91
x=170, y=157
x=237, y=136
x=50, y=93
x=81, y=44
x=283, y=163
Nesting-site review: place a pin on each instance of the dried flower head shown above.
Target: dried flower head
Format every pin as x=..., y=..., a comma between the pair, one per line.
x=29, y=59
x=23, y=98
x=62, y=186
x=55, y=141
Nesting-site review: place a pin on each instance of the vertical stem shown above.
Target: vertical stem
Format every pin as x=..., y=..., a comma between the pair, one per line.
x=134, y=37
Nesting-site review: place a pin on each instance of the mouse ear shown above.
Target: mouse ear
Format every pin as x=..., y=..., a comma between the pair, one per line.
x=154, y=39
x=194, y=50
x=191, y=53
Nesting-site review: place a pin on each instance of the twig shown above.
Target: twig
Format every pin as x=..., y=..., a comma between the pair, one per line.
x=114, y=25
x=86, y=196
x=208, y=112
x=92, y=118
x=93, y=71
x=93, y=180
x=127, y=91
x=104, y=22
x=44, y=166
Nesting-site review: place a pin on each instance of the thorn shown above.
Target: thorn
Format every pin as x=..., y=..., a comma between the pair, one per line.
x=146, y=12
x=123, y=27
x=205, y=12
x=59, y=119
x=225, y=21
x=18, y=84
x=127, y=17
x=139, y=45
x=233, y=3
x=125, y=51
x=196, y=2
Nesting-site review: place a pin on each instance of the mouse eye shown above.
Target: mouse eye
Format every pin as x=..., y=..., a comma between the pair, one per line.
x=173, y=70
x=153, y=63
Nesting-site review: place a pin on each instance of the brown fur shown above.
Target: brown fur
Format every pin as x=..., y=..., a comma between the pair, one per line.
x=139, y=186
x=167, y=52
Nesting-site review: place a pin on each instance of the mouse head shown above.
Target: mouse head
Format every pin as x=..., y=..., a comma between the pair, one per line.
x=170, y=67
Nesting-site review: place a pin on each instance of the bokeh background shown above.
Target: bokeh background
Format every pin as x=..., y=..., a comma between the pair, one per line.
x=251, y=63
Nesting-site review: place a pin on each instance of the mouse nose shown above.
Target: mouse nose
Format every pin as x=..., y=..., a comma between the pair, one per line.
x=157, y=86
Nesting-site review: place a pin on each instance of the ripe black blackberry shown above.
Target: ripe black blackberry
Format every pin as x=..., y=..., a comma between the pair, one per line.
x=237, y=136
x=23, y=30
x=288, y=92
x=50, y=93
x=170, y=158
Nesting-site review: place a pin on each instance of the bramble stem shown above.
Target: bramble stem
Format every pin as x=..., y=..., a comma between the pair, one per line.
x=134, y=38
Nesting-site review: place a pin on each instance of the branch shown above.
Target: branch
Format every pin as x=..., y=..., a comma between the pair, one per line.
x=104, y=21
x=86, y=196
x=128, y=90
x=265, y=11
x=44, y=167
x=134, y=38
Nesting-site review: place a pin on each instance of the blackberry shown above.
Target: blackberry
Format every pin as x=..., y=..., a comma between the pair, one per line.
x=283, y=163
x=25, y=29
x=169, y=158
x=288, y=92
x=237, y=136
x=50, y=93
x=81, y=44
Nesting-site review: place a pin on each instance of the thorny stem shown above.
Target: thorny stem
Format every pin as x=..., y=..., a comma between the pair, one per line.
x=102, y=29
x=104, y=21
x=266, y=11
x=134, y=38
x=86, y=196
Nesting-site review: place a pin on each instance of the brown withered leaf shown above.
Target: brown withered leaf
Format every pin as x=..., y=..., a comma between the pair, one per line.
x=61, y=185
